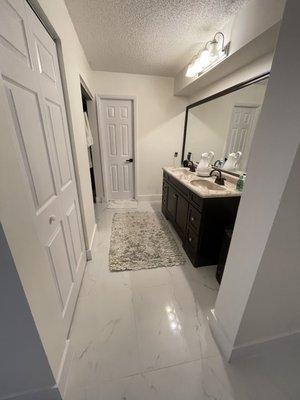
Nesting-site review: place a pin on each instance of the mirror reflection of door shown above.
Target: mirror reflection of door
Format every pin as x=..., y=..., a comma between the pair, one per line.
x=240, y=132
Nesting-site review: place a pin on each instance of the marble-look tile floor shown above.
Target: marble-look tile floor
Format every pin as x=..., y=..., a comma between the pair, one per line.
x=143, y=335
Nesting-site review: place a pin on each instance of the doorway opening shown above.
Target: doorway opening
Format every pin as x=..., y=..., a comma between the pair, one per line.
x=86, y=97
x=118, y=147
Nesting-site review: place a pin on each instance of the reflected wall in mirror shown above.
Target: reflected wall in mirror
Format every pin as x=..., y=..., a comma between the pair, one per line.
x=225, y=124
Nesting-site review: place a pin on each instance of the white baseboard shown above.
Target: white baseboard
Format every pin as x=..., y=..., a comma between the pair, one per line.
x=64, y=369
x=148, y=197
x=89, y=251
x=220, y=336
x=267, y=345
x=49, y=393
x=100, y=207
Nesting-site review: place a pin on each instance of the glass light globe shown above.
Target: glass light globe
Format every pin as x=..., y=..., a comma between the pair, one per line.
x=214, y=49
x=204, y=60
x=191, y=71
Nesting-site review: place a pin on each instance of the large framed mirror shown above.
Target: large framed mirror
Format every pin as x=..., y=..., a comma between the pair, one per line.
x=223, y=125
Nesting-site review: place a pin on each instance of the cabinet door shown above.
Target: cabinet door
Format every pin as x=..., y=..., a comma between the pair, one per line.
x=181, y=213
x=194, y=218
x=165, y=193
x=172, y=202
x=164, y=201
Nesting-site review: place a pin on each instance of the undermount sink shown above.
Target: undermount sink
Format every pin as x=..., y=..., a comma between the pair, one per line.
x=206, y=184
x=182, y=173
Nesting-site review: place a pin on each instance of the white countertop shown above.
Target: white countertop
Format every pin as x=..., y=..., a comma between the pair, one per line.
x=185, y=177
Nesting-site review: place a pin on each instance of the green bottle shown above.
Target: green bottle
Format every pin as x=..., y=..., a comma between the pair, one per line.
x=240, y=183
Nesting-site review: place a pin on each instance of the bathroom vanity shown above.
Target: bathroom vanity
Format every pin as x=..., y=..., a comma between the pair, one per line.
x=200, y=211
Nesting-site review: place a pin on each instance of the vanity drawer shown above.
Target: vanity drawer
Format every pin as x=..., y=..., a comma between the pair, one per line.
x=191, y=241
x=179, y=186
x=194, y=218
x=197, y=200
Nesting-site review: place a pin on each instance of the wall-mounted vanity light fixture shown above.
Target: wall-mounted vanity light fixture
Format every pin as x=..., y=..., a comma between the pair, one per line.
x=213, y=53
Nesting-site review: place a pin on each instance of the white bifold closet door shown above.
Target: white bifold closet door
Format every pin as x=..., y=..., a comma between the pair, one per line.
x=31, y=78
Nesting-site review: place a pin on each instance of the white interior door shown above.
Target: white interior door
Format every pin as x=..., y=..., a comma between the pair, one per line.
x=30, y=74
x=117, y=118
x=240, y=130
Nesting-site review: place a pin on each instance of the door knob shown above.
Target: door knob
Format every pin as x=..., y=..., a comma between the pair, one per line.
x=129, y=160
x=51, y=219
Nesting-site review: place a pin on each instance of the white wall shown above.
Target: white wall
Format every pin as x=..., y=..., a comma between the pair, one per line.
x=253, y=19
x=160, y=119
x=256, y=250
x=276, y=311
x=74, y=65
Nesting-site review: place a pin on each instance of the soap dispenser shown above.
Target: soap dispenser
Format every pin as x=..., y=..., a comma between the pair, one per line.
x=241, y=183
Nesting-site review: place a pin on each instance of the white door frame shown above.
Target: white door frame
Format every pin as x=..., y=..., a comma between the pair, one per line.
x=102, y=141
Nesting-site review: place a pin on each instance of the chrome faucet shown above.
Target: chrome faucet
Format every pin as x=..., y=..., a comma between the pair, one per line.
x=219, y=179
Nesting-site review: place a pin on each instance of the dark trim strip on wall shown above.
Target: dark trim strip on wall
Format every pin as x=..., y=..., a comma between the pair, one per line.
x=231, y=89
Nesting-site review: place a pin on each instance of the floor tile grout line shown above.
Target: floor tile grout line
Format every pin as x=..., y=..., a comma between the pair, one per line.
x=149, y=371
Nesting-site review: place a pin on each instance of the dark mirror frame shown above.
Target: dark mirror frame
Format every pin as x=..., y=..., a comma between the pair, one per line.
x=215, y=96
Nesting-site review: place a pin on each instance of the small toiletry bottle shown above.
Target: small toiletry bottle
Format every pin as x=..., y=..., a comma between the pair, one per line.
x=175, y=159
x=241, y=183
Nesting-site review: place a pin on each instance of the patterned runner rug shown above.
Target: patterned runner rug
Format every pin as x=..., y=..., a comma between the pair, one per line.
x=142, y=240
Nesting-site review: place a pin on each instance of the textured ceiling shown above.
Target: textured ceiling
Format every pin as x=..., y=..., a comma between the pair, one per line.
x=154, y=37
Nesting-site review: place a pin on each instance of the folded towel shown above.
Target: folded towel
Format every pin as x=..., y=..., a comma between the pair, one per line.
x=89, y=137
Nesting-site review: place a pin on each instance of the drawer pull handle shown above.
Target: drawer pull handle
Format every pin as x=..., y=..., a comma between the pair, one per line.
x=190, y=239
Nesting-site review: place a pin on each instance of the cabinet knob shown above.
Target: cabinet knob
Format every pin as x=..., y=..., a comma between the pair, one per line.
x=190, y=239
x=51, y=219
x=192, y=219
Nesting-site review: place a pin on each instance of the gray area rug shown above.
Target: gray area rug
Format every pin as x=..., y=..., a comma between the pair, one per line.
x=142, y=240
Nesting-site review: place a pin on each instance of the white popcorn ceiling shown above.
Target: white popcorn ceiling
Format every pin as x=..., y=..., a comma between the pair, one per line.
x=154, y=37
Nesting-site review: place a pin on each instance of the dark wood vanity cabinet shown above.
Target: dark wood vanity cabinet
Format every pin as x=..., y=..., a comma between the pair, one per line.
x=199, y=222
x=176, y=206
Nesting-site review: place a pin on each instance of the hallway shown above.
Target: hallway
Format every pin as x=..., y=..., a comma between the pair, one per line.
x=143, y=335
